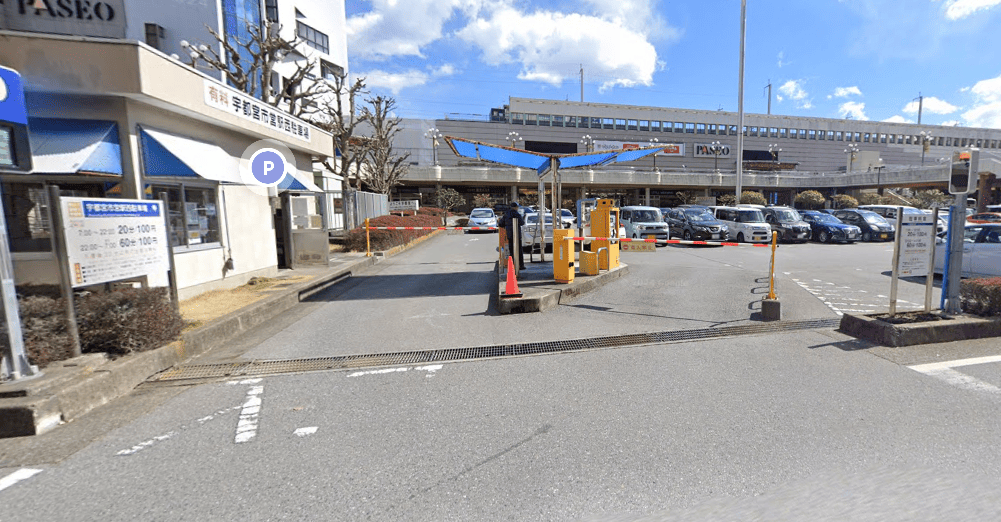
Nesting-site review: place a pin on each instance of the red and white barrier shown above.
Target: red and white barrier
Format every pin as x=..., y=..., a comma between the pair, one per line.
x=669, y=241
x=432, y=228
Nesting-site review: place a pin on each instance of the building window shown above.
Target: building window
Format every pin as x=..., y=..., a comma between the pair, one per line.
x=154, y=36
x=733, y=130
x=532, y=119
x=570, y=121
x=632, y=125
x=240, y=20
x=271, y=10
x=839, y=136
x=595, y=123
x=865, y=137
x=620, y=124
x=517, y=118
x=700, y=128
x=689, y=128
x=26, y=209
x=192, y=213
x=312, y=37
x=330, y=71
x=679, y=126
x=654, y=126
x=980, y=143
x=543, y=120
x=812, y=134
x=712, y=128
x=882, y=138
x=783, y=133
x=557, y=121
x=941, y=141
x=607, y=123
x=745, y=130
x=644, y=125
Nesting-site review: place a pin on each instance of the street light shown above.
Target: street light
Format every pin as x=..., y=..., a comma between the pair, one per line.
x=926, y=139
x=774, y=150
x=879, y=174
x=433, y=135
x=852, y=151
x=514, y=138
x=588, y=143
x=653, y=142
x=716, y=148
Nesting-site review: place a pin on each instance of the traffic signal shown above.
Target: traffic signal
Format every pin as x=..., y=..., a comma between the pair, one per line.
x=963, y=174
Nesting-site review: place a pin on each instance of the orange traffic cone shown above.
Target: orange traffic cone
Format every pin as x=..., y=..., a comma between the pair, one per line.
x=511, y=290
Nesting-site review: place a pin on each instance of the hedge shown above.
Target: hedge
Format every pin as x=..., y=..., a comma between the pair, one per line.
x=981, y=296
x=117, y=323
x=386, y=239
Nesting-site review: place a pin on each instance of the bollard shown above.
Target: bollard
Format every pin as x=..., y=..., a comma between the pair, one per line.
x=368, y=241
x=770, y=308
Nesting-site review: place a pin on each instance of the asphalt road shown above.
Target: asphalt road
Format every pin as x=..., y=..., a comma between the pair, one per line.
x=783, y=426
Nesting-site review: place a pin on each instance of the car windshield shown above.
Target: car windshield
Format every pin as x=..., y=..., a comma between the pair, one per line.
x=481, y=214
x=750, y=216
x=566, y=213
x=646, y=216
x=534, y=219
x=824, y=218
x=913, y=211
x=873, y=218
x=786, y=215
x=699, y=216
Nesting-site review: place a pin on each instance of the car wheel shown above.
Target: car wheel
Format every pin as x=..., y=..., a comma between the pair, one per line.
x=823, y=236
x=740, y=237
x=688, y=235
x=866, y=237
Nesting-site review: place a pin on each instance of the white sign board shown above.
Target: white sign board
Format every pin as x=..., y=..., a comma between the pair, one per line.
x=113, y=239
x=917, y=238
x=255, y=111
x=410, y=204
x=669, y=149
x=705, y=150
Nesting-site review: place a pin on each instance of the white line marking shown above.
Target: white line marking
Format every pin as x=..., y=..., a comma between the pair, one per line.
x=245, y=381
x=160, y=438
x=925, y=368
x=305, y=432
x=17, y=476
x=246, y=429
x=430, y=369
x=961, y=380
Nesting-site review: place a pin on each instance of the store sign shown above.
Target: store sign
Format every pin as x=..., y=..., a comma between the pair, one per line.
x=670, y=149
x=410, y=204
x=76, y=17
x=706, y=150
x=113, y=239
x=254, y=110
x=15, y=151
x=917, y=238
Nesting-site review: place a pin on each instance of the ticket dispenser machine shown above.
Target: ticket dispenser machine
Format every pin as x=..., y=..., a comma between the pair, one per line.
x=605, y=223
x=563, y=256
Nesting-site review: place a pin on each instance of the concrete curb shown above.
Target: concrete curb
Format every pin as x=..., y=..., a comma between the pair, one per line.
x=551, y=296
x=71, y=388
x=958, y=328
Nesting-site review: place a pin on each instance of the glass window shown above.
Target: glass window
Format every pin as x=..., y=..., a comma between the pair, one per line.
x=632, y=125
x=783, y=133
x=865, y=137
x=531, y=119
x=979, y=143
x=644, y=125
x=679, y=126
x=745, y=130
x=654, y=126
x=700, y=128
x=839, y=136
x=26, y=209
x=773, y=132
x=733, y=130
x=689, y=128
x=271, y=10
x=192, y=213
x=802, y=134
x=595, y=123
x=570, y=121
x=812, y=134
x=620, y=124
x=941, y=141
x=517, y=117
x=312, y=37
x=330, y=71
x=830, y=135
x=607, y=123
x=948, y=142
x=882, y=138
x=712, y=128
x=543, y=120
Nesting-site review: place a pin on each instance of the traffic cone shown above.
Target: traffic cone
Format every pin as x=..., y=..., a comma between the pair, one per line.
x=511, y=290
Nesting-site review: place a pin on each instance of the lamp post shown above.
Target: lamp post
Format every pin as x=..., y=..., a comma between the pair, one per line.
x=653, y=142
x=588, y=143
x=716, y=148
x=852, y=151
x=926, y=139
x=774, y=150
x=433, y=134
x=879, y=173
x=514, y=138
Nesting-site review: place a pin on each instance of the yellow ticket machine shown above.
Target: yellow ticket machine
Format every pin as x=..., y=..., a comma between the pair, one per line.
x=563, y=256
x=605, y=223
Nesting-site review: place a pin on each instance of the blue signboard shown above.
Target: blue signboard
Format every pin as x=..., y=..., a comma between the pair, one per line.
x=15, y=152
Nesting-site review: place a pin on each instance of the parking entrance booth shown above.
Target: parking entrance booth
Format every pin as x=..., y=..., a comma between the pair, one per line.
x=563, y=256
x=604, y=224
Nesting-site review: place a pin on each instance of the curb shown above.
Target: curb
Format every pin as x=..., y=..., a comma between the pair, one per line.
x=549, y=298
x=956, y=328
x=71, y=388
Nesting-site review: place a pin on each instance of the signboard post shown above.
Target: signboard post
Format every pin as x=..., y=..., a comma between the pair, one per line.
x=914, y=239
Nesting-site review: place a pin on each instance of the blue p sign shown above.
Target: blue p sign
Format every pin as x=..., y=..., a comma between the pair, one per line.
x=268, y=166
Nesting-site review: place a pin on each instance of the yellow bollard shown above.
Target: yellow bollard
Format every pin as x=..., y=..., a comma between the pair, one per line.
x=368, y=241
x=771, y=279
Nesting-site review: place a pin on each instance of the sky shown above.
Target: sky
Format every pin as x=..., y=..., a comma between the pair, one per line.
x=856, y=59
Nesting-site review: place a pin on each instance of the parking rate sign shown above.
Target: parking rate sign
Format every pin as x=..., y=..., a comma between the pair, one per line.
x=917, y=238
x=113, y=239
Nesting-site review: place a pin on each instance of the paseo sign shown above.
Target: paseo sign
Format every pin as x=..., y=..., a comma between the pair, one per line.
x=706, y=150
x=75, y=17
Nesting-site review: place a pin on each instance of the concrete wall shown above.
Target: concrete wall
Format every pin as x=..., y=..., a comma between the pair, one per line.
x=181, y=20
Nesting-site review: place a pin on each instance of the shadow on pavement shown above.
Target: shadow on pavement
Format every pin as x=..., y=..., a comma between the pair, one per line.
x=368, y=287
x=611, y=311
x=848, y=346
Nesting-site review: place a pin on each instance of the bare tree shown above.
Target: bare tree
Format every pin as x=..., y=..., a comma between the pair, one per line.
x=385, y=169
x=300, y=90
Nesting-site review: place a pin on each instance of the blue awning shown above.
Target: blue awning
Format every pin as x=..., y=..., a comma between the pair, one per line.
x=64, y=146
x=167, y=154
x=540, y=161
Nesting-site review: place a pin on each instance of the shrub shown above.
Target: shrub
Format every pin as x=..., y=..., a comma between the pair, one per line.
x=121, y=322
x=981, y=296
x=872, y=198
x=810, y=200
x=930, y=198
x=386, y=239
x=748, y=197
x=844, y=201
x=726, y=200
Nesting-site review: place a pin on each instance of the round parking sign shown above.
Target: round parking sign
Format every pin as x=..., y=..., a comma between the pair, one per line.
x=268, y=167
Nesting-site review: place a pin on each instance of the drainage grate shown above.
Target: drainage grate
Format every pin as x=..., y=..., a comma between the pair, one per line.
x=343, y=362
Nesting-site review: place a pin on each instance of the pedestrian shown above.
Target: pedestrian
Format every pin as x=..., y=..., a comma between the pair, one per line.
x=514, y=233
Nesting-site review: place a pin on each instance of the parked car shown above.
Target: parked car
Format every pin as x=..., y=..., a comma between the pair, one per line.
x=981, y=251
x=985, y=217
x=825, y=228
x=482, y=217
x=642, y=222
x=530, y=231
x=788, y=223
x=745, y=224
x=568, y=219
x=694, y=223
x=873, y=226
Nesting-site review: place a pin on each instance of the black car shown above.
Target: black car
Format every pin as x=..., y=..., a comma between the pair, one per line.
x=873, y=226
x=695, y=223
x=788, y=223
x=827, y=228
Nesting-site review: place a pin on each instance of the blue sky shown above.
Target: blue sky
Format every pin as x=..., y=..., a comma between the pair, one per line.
x=860, y=59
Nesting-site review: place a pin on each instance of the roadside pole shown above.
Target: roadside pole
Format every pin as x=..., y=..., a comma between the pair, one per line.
x=930, y=278
x=895, y=269
x=957, y=222
x=65, y=281
x=771, y=278
x=14, y=362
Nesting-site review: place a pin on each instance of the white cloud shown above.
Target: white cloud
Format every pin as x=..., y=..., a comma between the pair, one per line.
x=445, y=70
x=394, y=28
x=642, y=16
x=781, y=60
x=394, y=81
x=844, y=92
x=932, y=105
x=986, y=111
x=856, y=110
x=794, y=91
x=958, y=9
x=779, y=97
x=548, y=45
x=897, y=119
x=950, y=123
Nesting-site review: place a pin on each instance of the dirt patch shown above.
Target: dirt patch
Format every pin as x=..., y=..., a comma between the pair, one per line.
x=910, y=317
x=217, y=303
x=336, y=247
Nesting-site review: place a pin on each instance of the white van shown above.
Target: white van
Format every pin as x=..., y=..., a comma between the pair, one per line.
x=746, y=224
x=642, y=222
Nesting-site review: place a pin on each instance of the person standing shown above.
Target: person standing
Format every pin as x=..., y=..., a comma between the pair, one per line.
x=514, y=233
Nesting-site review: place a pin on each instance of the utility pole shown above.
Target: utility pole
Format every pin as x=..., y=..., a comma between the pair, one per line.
x=920, y=100
x=740, y=102
x=582, y=83
x=769, y=87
